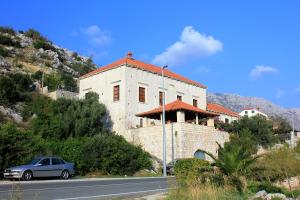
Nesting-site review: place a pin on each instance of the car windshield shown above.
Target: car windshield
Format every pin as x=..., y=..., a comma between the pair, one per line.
x=34, y=161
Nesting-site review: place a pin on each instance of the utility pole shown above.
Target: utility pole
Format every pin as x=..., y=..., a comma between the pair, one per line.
x=164, y=123
x=43, y=82
x=292, y=137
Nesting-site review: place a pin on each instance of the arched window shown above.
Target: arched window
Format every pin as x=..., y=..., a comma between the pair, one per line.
x=199, y=154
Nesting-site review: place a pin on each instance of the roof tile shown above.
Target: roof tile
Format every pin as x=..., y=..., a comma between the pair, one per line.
x=143, y=66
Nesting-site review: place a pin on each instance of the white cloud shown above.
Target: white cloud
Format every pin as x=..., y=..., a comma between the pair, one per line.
x=203, y=70
x=279, y=93
x=259, y=70
x=191, y=45
x=96, y=36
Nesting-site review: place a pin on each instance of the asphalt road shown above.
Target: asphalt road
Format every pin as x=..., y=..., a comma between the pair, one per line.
x=84, y=188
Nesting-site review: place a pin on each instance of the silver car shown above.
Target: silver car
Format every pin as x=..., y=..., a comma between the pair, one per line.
x=41, y=167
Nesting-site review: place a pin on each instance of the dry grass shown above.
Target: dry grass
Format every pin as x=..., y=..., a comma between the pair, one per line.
x=204, y=193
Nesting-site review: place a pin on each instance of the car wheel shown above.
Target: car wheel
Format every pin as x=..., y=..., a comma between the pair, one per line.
x=65, y=174
x=27, y=176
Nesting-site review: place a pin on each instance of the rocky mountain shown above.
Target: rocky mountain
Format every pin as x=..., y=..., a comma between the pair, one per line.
x=238, y=103
x=30, y=51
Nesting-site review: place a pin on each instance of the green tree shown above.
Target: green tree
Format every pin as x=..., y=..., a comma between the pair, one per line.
x=65, y=118
x=16, y=146
x=282, y=128
x=260, y=128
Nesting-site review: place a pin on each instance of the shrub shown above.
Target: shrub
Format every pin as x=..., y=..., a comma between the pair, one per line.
x=70, y=150
x=260, y=128
x=38, y=44
x=112, y=154
x=35, y=35
x=16, y=146
x=268, y=187
x=6, y=29
x=66, y=118
x=4, y=52
x=188, y=171
x=8, y=41
x=277, y=165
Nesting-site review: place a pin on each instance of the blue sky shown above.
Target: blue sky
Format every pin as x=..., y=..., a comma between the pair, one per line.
x=251, y=48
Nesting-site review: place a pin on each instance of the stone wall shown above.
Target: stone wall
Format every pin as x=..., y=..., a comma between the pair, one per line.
x=62, y=94
x=187, y=139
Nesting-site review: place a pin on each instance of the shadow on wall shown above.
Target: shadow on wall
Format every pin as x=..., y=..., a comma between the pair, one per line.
x=108, y=123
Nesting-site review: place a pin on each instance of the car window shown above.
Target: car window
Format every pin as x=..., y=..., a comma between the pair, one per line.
x=45, y=161
x=56, y=161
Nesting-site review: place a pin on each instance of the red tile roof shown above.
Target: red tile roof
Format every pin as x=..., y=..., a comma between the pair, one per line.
x=129, y=61
x=174, y=106
x=216, y=108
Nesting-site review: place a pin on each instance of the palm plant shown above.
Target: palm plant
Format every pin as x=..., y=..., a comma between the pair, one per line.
x=234, y=162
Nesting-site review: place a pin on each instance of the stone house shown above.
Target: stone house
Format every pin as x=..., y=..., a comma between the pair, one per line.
x=225, y=114
x=133, y=94
x=250, y=112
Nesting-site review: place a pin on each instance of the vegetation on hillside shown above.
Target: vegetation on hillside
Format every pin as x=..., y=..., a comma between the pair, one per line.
x=76, y=130
x=34, y=49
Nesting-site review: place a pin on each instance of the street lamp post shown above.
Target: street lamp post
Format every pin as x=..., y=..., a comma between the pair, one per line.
x=292, y=137
x=164, y=123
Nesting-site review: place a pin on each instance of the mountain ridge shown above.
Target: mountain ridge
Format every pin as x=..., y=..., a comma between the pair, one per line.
x=237, y=103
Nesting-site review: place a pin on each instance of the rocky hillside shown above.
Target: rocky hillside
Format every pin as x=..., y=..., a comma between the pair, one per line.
x=30, y=52
x=237, y=103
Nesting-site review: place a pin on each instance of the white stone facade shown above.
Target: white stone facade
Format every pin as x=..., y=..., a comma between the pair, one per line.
x=252, y=112
x=227, y=118
x=188, y=138
x=123, y=112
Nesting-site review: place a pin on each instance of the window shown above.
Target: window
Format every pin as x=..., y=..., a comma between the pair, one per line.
x=46, y=161
x=253, y=111
x=57, y=161
x=179, y=97
x=160, y=98
x=226, y=120
x=200, y=155
x=142, y=95
x=246, y=112
x=116, y=92
x=141, y=122
x=195, y=103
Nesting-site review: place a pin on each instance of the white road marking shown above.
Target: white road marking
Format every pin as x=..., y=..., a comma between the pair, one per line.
x=77, y=180
x=109, y=195
x=88, y=186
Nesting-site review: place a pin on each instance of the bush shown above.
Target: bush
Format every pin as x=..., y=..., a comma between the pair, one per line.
x=277, y=165
x=112, y=154
x=65, y=118
x=14, y=88
x=16, y=146
x=6, y=29
x=71, y=150
x=268, y=187
x=35, y=35
x=42, y=44
x=8, y=41
x=4, y=52
x=189, y=170
x=260, y=128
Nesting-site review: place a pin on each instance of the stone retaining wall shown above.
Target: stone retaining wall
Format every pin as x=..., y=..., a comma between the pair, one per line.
x=187, y=139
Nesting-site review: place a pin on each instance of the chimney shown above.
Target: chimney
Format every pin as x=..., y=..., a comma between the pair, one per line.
x=129, y=55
